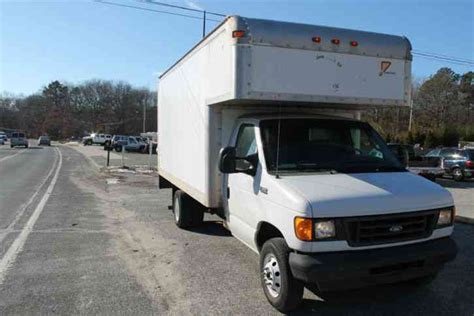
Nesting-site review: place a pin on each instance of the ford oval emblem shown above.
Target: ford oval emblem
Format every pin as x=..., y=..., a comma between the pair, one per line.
x=396, y=228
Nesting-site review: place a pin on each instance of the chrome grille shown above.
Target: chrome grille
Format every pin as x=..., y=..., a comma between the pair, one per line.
x=381, y=229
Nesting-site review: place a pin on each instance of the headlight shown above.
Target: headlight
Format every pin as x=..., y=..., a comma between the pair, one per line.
x=324, y=229
x=308, y=229
x=445, y=217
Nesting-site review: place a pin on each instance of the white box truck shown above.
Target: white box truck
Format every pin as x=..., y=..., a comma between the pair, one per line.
x=260, y=124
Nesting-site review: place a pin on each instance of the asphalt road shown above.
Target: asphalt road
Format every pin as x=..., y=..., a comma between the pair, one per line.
x=85, y=242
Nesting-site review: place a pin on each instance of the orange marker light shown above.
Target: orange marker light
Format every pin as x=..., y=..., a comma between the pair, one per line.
x=335, y=41
x=354, y=43
x=238, y=34
x=304, y=228
x=316, y=39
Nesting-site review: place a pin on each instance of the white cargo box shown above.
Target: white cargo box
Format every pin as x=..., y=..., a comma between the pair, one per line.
x=254, y=64
x=296, y=62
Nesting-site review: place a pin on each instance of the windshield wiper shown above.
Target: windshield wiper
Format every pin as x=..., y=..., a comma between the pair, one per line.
x=366, y=167
x=314, y=167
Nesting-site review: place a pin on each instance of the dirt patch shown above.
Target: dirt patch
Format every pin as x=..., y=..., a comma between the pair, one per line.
x=148, y=254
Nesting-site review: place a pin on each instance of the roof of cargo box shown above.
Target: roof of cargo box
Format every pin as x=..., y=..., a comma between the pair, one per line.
x=322, y=38
x=313, y=37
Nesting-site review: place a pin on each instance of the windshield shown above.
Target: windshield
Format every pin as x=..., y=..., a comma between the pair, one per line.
x=470, y=153
x=314, y=145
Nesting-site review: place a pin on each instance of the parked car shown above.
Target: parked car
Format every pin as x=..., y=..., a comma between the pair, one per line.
x=44, y=140
x=146, y=149
x=94, y=138
x=114, y=141
x=427, y=167
x=130, y=143
x=3, y=136
x=18, y=139
x=458, y=163
x=2, y=141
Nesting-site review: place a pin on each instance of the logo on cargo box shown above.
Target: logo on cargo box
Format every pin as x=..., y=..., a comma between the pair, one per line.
x=384, y=66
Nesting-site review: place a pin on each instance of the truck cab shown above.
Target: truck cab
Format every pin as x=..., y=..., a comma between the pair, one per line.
x=347, y=209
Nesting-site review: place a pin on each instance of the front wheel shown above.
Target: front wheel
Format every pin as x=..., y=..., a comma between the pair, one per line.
x=282, y=290
x=457, y=174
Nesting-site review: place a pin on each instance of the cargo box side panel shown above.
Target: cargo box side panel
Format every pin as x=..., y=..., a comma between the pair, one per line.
x=310, y=76
x=182, y=137
x=185, y=127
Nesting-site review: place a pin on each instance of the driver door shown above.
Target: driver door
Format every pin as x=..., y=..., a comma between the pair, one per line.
x=242, y=188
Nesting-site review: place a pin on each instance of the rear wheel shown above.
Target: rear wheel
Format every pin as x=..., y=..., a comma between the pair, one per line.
x=457, y=174
x=118, y=148
x=282, y=290
x=187, y=212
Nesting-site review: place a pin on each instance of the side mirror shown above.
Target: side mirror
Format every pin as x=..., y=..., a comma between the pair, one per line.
x=402, y=155
x=227, y=161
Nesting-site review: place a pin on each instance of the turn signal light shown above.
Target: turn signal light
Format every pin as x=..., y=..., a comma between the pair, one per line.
x=335, y=41
x=304, y=228
x=469, y=163
x=354, y=43
x=316, y=39
x=238, y=34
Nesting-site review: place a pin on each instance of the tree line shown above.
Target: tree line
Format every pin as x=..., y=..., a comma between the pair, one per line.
x=63, y=110
x=442, y=111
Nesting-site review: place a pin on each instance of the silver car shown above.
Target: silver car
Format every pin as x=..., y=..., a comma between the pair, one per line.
x=18, y=139
x=44, y=140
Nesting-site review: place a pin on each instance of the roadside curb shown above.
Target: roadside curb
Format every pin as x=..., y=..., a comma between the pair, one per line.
x=464, y=220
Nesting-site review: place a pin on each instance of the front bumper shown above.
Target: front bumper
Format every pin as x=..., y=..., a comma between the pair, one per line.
x=353, y=269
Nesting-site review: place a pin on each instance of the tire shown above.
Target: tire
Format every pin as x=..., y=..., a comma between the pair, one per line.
x=26, y=146
x=457, y=174
x=11, y=146
x=118, y=148
x=187, y=212
x=282, y=290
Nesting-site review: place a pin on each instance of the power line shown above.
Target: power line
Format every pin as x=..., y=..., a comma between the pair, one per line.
x=180, y=7
x=152, y=10
x=445, y=56
x=454, y=60
x=446, y=60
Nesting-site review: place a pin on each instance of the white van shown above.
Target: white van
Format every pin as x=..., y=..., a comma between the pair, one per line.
x=260, y=124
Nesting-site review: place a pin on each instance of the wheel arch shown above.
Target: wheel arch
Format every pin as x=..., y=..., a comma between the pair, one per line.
x=266, y=231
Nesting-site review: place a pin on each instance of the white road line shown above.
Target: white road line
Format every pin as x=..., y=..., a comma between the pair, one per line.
x=17, y=245
x=23, y=207
x=11, y=156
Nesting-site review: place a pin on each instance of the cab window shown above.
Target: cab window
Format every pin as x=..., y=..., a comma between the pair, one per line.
x=246, y=145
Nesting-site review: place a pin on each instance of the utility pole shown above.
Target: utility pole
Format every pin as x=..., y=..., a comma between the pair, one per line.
x=203, y=24
x=144, y=117
x=411, y=116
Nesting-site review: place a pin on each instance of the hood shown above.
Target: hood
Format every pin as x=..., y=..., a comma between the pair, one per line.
x=338, y=195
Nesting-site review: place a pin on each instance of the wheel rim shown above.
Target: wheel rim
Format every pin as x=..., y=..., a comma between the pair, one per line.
x=177, y=211
x=272, y=275
x=457, y=172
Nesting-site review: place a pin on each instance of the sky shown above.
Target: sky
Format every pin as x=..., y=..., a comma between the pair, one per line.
x=75, y=41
